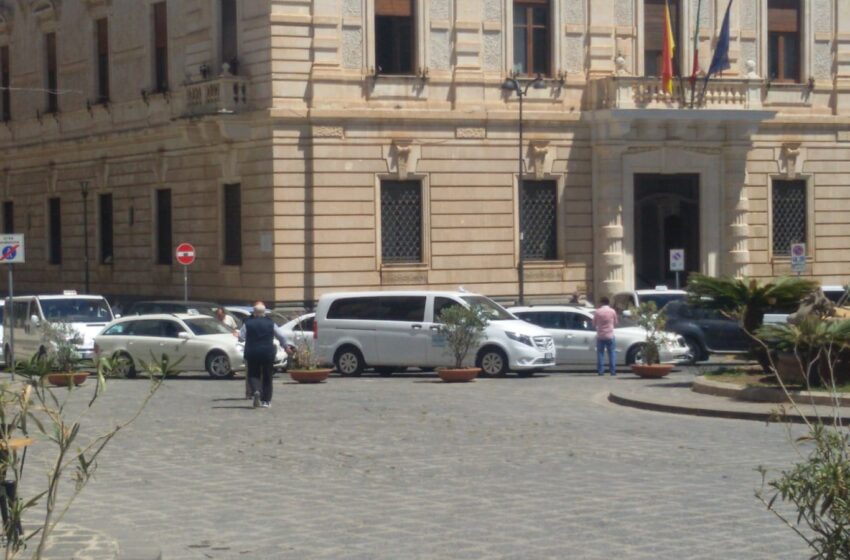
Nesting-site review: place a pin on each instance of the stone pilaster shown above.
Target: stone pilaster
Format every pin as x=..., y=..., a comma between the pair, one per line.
x=610, y=275
x=736, y=207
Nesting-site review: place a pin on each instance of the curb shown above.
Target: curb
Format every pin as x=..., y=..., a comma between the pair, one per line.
x=775, y=416
x=764, y=394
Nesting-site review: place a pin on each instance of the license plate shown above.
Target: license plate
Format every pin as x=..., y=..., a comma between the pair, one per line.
x=548, y=356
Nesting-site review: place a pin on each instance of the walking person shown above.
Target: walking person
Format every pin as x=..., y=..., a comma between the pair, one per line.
x=605, y=319
x=259, y=332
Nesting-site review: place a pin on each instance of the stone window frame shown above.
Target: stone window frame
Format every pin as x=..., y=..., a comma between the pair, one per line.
x=95, y=67
x=806, y=37
x=809, y=180
x=150, y=49
x=685, y=52
x=556, y=37
x=425, y=183
x=421, y=40
x=560, y=259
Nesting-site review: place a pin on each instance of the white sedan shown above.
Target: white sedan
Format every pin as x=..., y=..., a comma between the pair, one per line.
x=203, y=342
x=300, y=330
x=575, y=337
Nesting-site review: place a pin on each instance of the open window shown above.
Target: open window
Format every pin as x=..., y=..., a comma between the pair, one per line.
x=532, y=37
x=395, y=37
x=784, y=40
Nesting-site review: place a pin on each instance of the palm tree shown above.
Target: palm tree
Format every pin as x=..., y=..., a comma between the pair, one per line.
x=747, y=300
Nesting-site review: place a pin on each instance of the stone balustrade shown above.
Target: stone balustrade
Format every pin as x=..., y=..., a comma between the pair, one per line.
x=224, y=94
x=631, y=92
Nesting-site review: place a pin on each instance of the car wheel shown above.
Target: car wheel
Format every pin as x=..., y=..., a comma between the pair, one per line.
x=634, y=355
x=349, y=361
x=386, y=371
x=123, y=366
x=492, y=361
x=218, y=365
x=695, y=350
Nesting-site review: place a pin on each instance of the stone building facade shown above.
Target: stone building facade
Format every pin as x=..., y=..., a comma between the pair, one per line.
x=306, y=146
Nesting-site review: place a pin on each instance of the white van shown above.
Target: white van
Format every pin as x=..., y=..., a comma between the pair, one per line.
x=395, y=330
x=87, y=315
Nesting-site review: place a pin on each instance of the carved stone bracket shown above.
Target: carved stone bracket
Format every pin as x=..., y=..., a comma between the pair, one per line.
x=159, y=167
x=97, y=7
x=52, y=177
x=102, y=173
x=46, y=12
x=6, y=20
x=789, y=159
x=541, y=155
x=403, y=158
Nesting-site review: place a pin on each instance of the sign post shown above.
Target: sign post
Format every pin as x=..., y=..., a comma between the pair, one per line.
x=677, y=263
x=798, y=258
x=11, y=252
x=185, y=256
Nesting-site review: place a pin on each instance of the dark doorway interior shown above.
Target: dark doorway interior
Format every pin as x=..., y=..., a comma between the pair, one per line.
x=666, y=217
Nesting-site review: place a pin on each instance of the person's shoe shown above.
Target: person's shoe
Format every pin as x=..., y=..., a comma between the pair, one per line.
x=601, y=374
x=614, y=374
x=256, y=399
x=267, y=404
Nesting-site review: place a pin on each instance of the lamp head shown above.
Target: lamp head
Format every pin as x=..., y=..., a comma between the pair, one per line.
x=510, y=84
x=84, y=187
x=538, y=82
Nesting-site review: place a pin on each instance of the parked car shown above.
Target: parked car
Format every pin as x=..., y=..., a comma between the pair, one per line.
x=706, y=331
x=834, y=293
x=300, y=330
x=202, y=342
x=575, y=337
x=661, y=296
x=175, y=306
x=239, y=312
x=389, y=330
x=86, y=315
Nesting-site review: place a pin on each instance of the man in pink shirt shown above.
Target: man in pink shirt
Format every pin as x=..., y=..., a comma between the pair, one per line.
x=605, y=319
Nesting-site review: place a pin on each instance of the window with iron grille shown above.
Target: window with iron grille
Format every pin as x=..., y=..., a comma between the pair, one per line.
x=232, y=224
x=106, y=237
x=8, y=217
x=394, y=36
x=531, y=37
x=539, y=220
x=789, y=215
x=163, y=226
x=401, y=221
x=54, y=249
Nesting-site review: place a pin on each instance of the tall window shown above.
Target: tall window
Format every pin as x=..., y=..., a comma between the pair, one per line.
x=106, y=231
x=783, y=40
x=653, y=36
x=8, y=217
x=531, y=37
x=5, y=83
x=394, y=36
x=401, y=221
x=539, y=220
x=102, y=45
x=160, y=46
x=232, y=224
x=789, y=215
x=52, y=75
x=54, y=226
x=163, y=226
x=229, y=44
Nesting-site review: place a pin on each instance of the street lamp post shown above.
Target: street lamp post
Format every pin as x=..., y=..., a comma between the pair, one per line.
x=512, y=84
x=84, y=190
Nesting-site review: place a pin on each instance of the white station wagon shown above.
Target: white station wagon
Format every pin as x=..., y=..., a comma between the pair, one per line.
x=575, y=337
x=203, y=342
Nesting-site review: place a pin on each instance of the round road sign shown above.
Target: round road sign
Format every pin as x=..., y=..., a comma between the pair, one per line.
x=185, y=254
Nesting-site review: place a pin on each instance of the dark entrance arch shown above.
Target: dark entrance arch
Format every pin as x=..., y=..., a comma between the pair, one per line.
x=666, y=217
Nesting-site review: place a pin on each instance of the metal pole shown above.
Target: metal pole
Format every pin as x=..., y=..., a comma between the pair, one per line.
x=677, y=279
x=11, y=314
x=185, y=283
x=519, y=204
x=84, y=186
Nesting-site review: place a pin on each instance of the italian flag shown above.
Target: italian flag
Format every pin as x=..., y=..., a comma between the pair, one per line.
x=667, y=52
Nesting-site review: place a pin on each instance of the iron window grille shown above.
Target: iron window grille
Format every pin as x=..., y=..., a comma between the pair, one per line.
x=54, y=252
x=789, y=215
x=163, y=226
x=539, y=220
x=233, y=224
x=401, y=221
x=106, y=229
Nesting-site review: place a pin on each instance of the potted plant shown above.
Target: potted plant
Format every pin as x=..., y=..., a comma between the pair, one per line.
x=653, y=322
x=62, y=356
x=813, y=351
x=462, y=327
x=305, y=366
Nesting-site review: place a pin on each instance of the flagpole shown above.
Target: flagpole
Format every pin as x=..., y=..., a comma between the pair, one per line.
x=695, y=64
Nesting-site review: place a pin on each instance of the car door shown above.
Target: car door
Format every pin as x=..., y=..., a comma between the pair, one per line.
x=190, y=348
x=143, y=340
x=722, y=334
x=581, y=338
x=27, y=335
x=553, y=322
x=439, y=354
x=402, y=336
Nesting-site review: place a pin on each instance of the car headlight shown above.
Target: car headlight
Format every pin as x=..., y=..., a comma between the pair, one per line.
x=525, y=339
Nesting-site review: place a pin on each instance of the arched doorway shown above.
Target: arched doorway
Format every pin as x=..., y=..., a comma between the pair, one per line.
x=667, y=216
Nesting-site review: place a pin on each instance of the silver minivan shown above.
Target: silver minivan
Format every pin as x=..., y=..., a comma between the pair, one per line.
x=86, y=315
x=390, y=331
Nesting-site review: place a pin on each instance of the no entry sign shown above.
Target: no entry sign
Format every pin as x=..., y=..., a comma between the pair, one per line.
x=185, y=254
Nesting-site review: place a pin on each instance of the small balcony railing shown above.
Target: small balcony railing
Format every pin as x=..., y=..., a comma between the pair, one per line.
x=221, y=95
x=631, y=92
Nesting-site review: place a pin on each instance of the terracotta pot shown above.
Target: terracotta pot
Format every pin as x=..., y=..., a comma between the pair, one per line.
x=462, y=375
x=65, y=379
x=309, y=375
x=652, y=371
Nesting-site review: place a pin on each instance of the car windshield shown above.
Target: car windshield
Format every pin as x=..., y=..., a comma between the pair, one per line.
x=76, y=310
x=661, y=300
x=494, y=311
x=207, y=325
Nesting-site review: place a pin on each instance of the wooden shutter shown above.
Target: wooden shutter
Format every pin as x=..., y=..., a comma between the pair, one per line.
x=398, y=8
x=783, y=16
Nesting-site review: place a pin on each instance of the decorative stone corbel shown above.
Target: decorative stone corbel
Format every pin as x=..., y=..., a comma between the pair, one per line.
x=102, y=173
x=229, y=163
x=159, y=166
x=6, y=15
x=790, y=160
x=539, y=154
x=403, y=156
x=46, y=12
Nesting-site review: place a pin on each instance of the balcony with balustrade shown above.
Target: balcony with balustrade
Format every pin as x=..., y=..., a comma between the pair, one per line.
x=636, y=92
x=225, y=94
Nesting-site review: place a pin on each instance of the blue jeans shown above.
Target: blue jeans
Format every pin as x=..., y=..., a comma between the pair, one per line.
x=601, y=346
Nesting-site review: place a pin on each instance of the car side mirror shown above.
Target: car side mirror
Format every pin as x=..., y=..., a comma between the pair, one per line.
x=34, y=320
x=184, y=335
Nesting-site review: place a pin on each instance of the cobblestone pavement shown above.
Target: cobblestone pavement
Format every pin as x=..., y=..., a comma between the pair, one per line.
x=410, y=468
